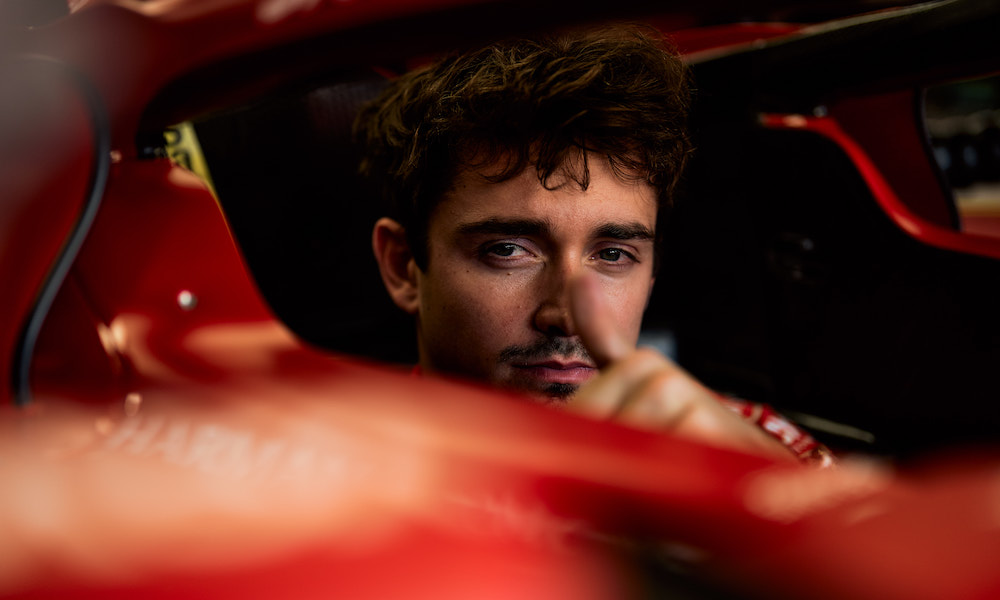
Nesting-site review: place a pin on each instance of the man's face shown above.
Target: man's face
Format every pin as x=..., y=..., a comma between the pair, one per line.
x=494, y=301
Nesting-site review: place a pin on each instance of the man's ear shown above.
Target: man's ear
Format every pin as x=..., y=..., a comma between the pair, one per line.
x=396, y=263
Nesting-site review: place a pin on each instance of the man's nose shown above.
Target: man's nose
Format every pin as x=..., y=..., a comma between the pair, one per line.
x=553, y=316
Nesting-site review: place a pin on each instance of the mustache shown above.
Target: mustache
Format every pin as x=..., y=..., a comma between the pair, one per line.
x=546, y=348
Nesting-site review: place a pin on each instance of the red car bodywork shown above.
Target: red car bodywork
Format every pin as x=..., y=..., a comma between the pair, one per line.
x=176, y=439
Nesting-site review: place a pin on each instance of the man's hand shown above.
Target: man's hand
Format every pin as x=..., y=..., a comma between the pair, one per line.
x=643, y=388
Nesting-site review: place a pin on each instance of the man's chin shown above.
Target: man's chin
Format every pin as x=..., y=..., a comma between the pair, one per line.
x=561, y=391
x=553, y=393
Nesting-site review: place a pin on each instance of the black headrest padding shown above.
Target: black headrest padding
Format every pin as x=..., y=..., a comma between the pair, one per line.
x=286, y=176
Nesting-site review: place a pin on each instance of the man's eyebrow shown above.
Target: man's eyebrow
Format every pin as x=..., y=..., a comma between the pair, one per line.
x=507, y=227
x=538, y=227
x=625, y=231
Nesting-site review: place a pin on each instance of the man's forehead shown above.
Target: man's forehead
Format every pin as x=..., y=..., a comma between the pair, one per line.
x=607, y=200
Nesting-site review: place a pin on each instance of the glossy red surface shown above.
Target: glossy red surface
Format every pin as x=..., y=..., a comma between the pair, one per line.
x=164, y=285
x=887, y=197
x=886, y=127
x=238, y=487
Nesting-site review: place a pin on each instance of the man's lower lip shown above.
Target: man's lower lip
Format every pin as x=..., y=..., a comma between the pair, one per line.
x=572, y=375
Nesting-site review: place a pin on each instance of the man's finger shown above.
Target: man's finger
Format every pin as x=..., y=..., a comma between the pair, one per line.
x=607, y=394
x=594, y=324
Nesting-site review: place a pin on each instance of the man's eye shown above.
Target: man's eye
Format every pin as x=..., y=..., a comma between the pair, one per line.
x=614, y=258
x=503, y=249
x=505, y=255
x=610, y=254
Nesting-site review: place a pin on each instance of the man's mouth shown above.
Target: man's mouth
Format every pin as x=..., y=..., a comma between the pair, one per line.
x=553, y=366
x=557, y=371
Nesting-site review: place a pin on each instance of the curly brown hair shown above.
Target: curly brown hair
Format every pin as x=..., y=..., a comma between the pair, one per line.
x=620, y=92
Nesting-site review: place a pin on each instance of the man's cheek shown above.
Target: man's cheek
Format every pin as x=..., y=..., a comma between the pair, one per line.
x=467, y=322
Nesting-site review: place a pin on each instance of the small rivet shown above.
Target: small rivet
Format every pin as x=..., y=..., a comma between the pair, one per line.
x=186, y=300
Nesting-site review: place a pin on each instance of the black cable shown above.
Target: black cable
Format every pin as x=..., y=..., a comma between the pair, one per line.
x=25, y=348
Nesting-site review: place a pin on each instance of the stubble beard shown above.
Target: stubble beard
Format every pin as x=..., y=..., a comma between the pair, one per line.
x=559, y=393
x=564, y=347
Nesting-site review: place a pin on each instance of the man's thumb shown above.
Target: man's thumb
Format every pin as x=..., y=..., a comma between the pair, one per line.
x=594, y=324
